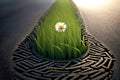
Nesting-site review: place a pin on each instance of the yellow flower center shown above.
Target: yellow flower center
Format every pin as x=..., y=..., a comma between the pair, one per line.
x=60, y=27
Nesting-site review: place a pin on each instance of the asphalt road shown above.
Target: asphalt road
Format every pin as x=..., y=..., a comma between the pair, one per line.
x=104, y=24
x=17, y=20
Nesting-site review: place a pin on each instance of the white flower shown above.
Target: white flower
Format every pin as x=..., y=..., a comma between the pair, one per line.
x=60, y=27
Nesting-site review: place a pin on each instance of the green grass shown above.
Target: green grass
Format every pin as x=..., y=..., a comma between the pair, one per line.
x=60, y=45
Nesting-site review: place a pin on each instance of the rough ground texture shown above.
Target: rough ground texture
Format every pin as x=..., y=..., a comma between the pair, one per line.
x=96, y=64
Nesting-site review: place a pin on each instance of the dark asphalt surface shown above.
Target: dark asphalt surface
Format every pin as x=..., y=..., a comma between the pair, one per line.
x=104, y=24
x=17, y=20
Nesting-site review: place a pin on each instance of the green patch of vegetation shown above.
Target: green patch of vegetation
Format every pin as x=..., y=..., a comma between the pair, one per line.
x=60, y=45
